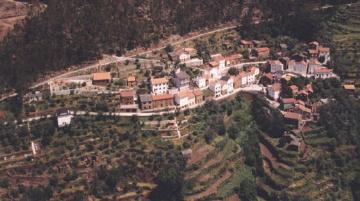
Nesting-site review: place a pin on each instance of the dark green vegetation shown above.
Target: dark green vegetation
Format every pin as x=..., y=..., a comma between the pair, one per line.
x=94, y=157
x=341, y=31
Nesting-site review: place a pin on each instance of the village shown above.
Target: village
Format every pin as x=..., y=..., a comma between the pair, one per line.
x=186, y=81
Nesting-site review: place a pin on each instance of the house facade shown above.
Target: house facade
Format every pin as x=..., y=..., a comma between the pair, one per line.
x=64, y=117
x=276, y=66
x=298, y=67
x=159, y=85
x=162, y=101
x=274, y=90
x=181, y=80
x=215, y=87
x=127, y=97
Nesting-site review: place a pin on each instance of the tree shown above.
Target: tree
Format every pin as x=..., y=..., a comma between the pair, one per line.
x=169, y=182
x=233, y=71
x=355, y=187
x=169, y=48
x=247, y=190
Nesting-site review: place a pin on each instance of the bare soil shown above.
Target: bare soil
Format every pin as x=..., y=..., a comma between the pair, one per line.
x=11, y=13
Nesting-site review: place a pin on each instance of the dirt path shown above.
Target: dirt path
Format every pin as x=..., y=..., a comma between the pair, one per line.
x=212, y=189
x=209, y=163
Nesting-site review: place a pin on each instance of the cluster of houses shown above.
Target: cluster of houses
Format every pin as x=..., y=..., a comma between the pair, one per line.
x=311, y=66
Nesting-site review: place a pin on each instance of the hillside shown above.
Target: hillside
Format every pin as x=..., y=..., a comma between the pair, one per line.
x=342, y=32
x=11, y=12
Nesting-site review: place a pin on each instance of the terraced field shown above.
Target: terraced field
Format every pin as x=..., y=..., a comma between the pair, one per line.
x=342, y=31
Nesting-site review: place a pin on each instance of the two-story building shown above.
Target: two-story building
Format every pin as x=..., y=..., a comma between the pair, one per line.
x=227, y=83
x=274, y=90
x=215, y=87
x=64, y=117
x=276, y=66
x=127, y=97
x=103, y=78
x=181, y=80
x=162, y=101
x=298, y=67
x=159, y=85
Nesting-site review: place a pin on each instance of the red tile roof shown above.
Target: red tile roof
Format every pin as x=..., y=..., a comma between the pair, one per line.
x=288, y=100
x=101, y=76
x=323, y=70
x=162, y=97
x=162, y=80
x=292, y=115
x=127, y=93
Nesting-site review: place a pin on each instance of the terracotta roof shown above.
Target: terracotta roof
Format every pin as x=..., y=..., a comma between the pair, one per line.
x=101, y=76
x=292, y=115
x=303, y=108
x=183, y=94
x=269, y=76
x=246, y=42
x=262, y=49
x=198, y=92
x=349, y=87
x=162, y=97
x=131, y=78
x=162, y=80
x=234, y=57
x=323, y=70
x=300, y=102
x=214, y=63
x=288, y=100
x=127, y=93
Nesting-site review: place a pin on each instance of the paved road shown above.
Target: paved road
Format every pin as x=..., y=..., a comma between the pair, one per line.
x=251, y=89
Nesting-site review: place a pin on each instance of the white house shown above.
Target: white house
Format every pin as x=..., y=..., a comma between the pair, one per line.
x=214, y=72
x=274, y=90
x=64, y=117
x=314, y=65
x=243, y=78
x=184, y=57
x=185, y=98
x=298, y=67
x=324, y=73
x=200, y=81
x=227, y=83
x=182, y=99
x=276, y=66
x=159, y=85
x=218, y=58
x=215, y=87
x=324, y=52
